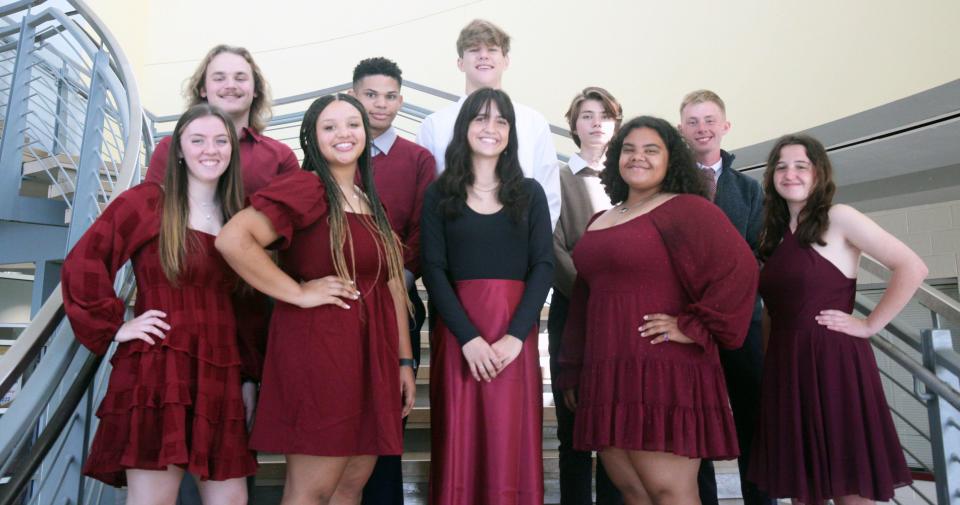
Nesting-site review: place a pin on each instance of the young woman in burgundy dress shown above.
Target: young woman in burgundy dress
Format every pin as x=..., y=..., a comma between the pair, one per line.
x=825, y=431
x=333, y=392
x=487, y=264
x=173, y=403
x=663, y=280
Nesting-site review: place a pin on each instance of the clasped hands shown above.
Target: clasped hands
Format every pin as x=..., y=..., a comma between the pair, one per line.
x=486, y=361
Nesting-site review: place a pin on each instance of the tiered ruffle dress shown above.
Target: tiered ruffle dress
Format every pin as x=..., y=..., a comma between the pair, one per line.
x=176, y=402
x=685, y=259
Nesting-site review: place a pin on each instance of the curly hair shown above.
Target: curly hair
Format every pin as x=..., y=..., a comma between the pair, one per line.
x=453, y=182
x=682, y=175
x=814, y=218
x=377, y=66
x=260, y=112
x=379, y=225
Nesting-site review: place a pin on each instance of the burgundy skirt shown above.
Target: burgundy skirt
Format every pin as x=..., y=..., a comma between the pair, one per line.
x=486, y=437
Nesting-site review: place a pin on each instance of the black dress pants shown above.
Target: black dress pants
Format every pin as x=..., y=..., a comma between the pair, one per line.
x=742, y=369
x=576, y=467
x=385, y=485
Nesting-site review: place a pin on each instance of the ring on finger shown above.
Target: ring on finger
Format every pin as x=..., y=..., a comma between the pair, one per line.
x=666, y=337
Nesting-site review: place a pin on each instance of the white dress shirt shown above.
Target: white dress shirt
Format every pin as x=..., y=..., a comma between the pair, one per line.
x=538, y=157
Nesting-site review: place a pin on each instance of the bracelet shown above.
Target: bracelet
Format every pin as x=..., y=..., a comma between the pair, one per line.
x=408, y=362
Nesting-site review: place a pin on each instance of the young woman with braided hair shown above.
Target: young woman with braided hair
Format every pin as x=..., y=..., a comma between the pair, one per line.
x=331, y=382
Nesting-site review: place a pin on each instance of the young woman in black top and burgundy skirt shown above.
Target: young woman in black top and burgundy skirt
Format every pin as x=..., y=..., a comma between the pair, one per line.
x=487, y=265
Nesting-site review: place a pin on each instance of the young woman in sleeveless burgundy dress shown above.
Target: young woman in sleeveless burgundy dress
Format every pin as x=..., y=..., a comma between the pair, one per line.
x=173, y=404
x=825, y=430
x=663, y=280
x=334, y=392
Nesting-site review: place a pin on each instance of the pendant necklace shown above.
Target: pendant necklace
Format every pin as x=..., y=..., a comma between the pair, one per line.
x=624, y=208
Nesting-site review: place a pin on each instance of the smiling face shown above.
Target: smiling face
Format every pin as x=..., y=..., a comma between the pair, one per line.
x=340, y=134
x=643, y=160
x=489, y=132
x=483, y=66
x=595, y=126
x=703, y=125
x=228, y=84
x=794, y=175
x=205, y=145
x=380, y=96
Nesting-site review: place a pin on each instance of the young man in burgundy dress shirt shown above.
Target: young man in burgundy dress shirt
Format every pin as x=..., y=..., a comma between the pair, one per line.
x=703, y=123
x=402, y=170
x=230, y=79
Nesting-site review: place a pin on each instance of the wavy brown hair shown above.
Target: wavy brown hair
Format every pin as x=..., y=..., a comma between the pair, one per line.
x=175, y=241
x=682, y=175
x=814, y=218
x=377, y=222
x=260, y=112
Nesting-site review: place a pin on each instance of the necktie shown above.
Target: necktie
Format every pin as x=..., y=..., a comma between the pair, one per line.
x=709, y=176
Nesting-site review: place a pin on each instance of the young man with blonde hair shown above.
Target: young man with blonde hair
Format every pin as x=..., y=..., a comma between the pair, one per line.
x=703, y=123
x=483, y=49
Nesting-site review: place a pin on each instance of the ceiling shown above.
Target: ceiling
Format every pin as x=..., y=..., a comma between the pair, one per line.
x=901, y=154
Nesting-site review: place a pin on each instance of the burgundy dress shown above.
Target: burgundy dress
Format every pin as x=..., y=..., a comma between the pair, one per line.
x=176, y=402
x=683, y=258
x=825, y=429
x=331, y=382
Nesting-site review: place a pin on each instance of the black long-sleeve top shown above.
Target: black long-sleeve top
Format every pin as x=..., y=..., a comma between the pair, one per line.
x=487, y=246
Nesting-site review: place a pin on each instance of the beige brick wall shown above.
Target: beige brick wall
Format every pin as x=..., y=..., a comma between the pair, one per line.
x=933, y=231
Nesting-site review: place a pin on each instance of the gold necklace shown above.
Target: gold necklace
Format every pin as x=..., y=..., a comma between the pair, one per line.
x=488, y=189
x=624, y=208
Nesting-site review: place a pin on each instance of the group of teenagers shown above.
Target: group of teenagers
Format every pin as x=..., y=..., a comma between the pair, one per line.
x=255, y=275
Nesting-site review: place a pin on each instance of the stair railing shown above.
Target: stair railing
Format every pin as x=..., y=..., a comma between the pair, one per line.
x=72, y=115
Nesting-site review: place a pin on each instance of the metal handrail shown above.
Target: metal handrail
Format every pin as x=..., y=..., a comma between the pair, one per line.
x=927, y=295
x=933, y=383
x=10, y=493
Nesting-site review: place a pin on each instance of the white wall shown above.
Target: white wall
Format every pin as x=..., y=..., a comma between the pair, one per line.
x=780, y=66
x=15, y=300
x=933, y=231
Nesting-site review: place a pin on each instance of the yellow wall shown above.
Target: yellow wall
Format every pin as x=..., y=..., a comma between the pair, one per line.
x=779, y=68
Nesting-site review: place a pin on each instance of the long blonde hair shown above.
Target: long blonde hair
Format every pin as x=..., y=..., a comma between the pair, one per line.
x=260, y=111
x=175, y=242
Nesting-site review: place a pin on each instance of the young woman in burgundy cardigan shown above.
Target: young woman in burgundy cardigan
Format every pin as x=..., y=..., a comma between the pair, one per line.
x=173, y=402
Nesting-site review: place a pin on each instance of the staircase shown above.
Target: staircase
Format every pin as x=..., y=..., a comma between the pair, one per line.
x=73, y=134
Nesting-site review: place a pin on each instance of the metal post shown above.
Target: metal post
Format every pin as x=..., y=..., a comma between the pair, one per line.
x=944, y=421
x=60, y=132
x=86, y=195
x=15, y=123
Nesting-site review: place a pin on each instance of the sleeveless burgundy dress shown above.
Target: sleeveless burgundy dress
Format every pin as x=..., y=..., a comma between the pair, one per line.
x=825, y=430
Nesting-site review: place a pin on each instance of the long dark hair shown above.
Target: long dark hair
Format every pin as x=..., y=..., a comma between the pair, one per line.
x=175, y=242
x=814, y=218
x=682, y=175
x=339, y=230
x=453, y=182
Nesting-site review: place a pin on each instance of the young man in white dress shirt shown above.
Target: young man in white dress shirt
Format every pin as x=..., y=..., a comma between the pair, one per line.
x=483, y=50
